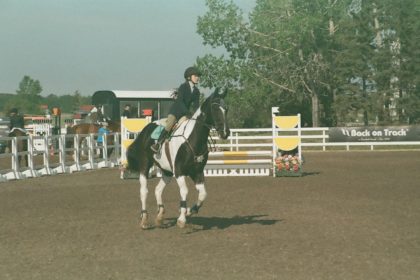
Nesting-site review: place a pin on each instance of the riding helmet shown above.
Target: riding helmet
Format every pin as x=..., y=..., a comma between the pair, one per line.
x=191, y=71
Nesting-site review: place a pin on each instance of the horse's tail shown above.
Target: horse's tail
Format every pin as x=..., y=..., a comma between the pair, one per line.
x=139, y=154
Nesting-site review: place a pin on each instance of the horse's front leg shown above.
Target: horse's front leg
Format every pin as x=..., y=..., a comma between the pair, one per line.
x=158, y=194
x=144, y=223
x=202, y=194
x=183, y=191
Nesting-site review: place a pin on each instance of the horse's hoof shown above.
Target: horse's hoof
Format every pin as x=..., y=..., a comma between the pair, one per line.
x=159, y=221
x=159, y=217
x=144, y=224
x=193, y=210
x=181, y=224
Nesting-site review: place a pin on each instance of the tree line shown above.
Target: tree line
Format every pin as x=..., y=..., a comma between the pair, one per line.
x=334, y=61
x=28, y=99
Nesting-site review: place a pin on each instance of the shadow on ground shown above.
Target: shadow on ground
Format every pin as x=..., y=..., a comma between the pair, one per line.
x=208, y=223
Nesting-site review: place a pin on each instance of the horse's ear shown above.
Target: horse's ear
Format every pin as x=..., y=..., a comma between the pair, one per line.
x=220, y=92
x=224, y=91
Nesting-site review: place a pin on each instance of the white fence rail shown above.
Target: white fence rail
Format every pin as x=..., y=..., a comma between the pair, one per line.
x=59, y=159
x=56, y=157
x=312, y=139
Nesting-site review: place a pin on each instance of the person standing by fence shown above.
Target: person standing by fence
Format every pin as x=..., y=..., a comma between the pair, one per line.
x=102, y=132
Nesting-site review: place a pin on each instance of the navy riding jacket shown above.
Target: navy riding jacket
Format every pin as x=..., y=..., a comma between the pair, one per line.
x=16, y=121
x=185, y=101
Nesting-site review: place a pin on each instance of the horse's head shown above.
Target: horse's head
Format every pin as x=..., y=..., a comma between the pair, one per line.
x=215, y=110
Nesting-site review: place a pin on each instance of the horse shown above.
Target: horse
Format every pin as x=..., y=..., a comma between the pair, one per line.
x=91, y=128
x=22, y=144
x=184, y=155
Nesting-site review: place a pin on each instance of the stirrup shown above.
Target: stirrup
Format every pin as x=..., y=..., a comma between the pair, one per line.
x=156, y=147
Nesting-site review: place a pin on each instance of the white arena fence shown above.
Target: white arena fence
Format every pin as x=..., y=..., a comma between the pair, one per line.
x=55, y=158
x=257, y=161
x=312, y=139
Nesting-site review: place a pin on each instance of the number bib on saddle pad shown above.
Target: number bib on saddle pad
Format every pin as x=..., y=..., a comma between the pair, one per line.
x=161, y=126
x=157, y=132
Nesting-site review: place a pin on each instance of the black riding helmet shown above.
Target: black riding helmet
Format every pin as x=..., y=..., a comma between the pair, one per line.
x=191, y=71
x=14, y=110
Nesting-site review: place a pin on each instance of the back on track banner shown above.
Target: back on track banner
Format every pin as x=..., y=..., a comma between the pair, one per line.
x=374, y=134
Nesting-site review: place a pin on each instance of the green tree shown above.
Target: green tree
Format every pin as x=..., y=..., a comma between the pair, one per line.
x=378, y=61
x=29, y=87
x=52, y=101
x=330, y=60
x=27, y=97
x=403, y=39
x=280, y=57
x=355, y=62
x=68, y=103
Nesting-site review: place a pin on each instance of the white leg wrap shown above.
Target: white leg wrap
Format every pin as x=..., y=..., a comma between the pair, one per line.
x=202, y=193
x=183, y=188
x=159, y=189
x=183, y=191
x=143, y=191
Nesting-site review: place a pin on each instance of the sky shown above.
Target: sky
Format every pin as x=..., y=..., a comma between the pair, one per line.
x=90, y=45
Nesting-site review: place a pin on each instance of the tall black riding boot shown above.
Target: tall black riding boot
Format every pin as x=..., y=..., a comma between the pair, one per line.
x=156, y=147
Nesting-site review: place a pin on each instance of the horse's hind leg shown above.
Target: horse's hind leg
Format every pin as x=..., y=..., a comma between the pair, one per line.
x=144, y=223
x=183, y=191
x=202, y=194
x=158, y=194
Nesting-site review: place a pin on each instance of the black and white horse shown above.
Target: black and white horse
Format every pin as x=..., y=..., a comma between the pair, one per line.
x=184, y=155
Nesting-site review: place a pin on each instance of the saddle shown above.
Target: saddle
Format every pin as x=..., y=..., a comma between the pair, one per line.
x=161, y=126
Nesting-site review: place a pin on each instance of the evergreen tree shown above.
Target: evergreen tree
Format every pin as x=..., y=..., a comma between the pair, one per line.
x=27, y=98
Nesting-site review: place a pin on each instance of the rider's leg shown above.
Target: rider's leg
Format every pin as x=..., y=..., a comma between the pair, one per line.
x=170, y=122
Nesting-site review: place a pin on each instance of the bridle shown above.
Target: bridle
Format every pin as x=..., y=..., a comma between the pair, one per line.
x=211, y=142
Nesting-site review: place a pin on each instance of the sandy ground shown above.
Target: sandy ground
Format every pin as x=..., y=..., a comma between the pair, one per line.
x=354, y=215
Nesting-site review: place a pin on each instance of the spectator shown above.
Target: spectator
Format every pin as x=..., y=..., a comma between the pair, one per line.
x=127, y=111
x=102, y=132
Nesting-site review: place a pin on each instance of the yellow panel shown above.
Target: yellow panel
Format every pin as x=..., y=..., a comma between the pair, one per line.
x=237, y=154
x=235, y=161
x=286, y=122
x=287, y=144
x=134, y=125
x=127, y=142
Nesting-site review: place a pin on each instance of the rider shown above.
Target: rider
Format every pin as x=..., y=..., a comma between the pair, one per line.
x=96, y=114
x=188, y=97
x=16, y=120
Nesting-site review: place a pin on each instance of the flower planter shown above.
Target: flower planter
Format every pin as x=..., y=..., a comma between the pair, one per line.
x=287, y=166
x=288, y=173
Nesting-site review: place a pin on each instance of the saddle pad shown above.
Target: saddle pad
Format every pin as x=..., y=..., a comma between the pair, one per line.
x=157, y=132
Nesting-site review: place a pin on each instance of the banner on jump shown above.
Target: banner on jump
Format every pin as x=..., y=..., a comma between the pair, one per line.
x=374, y=134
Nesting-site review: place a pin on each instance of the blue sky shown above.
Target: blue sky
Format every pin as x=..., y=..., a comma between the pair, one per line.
x=89, y=45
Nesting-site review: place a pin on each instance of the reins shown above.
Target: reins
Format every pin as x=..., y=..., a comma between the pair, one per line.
x=211, y=142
